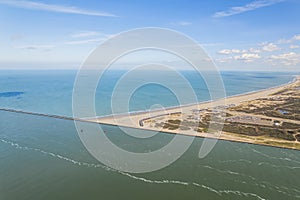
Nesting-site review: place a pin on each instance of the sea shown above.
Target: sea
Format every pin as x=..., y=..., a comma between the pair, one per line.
x=43, y=157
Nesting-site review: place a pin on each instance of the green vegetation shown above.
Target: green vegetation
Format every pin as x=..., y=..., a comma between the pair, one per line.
x=287, y=125
x=240, y=129
x=176, y=121
x=287, y=108
x=277, y=133
x=286, y=131
x=284, y=106
x=280, y=92
x=171, y=126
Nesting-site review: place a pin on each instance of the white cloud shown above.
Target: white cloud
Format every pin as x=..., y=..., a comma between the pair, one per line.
x=54, y=8
x=288, y=41
x=294, y=46
x=94, y=40
x=283, y=41
x=247, y=57
x=85, y=34
x=211, y=44
x=36, y=47
x=296, y=37
x=16, y=37
x=88, y=34
x=248, y=7
x=269, y=47
x=225, y=51
x=224, y=60
x=182, y=23
x=239, y=51
x=288, y=59
x=253, y=50
x=87, y=41
x=263, y=53
x=229, y=51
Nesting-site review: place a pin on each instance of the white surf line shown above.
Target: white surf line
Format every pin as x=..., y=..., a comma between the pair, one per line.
x=154, y=181
x=272, y=157
x=235, y=161
x=277, y=166
x=235, y=192
x=17, y=146
x=219, y=192
x=256, y=181
x=228, y=172
x=259, y=164
x=242, y=194
x=290, y=154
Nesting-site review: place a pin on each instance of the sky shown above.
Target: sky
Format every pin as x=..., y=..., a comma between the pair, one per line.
x=237, y=34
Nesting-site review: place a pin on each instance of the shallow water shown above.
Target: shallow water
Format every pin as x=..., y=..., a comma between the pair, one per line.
x=43, y=158
x=51, y=91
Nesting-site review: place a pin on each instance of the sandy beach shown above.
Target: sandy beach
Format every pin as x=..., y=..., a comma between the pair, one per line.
x=142, y=120
x=135, y=120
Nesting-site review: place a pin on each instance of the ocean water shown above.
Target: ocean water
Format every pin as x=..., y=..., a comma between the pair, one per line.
x=50, y=92
x=43, y=158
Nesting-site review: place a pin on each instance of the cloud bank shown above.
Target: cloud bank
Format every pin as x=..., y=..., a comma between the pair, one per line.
x=54, y=8
x=248, y=7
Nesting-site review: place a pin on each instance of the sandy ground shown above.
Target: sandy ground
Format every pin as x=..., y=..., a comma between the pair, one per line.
x=132, y=120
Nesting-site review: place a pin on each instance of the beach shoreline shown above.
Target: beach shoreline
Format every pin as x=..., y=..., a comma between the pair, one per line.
x=133, y=120
x=296, y=77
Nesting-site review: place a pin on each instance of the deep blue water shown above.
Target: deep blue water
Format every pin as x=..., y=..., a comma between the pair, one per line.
x=11, y=94
x=43, y=158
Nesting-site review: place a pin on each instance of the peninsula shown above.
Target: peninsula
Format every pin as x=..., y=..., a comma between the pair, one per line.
x=268, y=117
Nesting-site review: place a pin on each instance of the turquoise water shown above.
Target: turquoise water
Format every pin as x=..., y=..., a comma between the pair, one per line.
x=51, y=91
x=43, y=158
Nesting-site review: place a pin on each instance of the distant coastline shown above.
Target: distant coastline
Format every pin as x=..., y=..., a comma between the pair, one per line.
x=122, y=119
x=133, y=120
x=296, y=77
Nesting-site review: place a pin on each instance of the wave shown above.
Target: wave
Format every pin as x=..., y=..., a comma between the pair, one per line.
x=142, y=179
x=221, y=171
x=256, y=182
x=17, y=146
x=235, y=161
x=273, y=157
x=291, y=154
x=235, y=192
x=277, y=166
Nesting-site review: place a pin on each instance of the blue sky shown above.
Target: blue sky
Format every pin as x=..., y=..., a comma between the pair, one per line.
x=237, y=34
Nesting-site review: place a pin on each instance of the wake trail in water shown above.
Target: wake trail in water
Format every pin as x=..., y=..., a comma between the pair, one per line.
x=277, y=166
x=235, y=192
x=236, y=161
x=142, y=179
x=255, y=181
x=275, y=158
x=17, y=146
x=228, y=172
x=259, y=164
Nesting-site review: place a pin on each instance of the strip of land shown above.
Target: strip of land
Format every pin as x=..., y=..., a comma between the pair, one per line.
x=267, y=117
